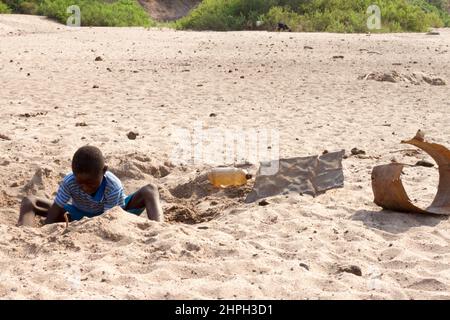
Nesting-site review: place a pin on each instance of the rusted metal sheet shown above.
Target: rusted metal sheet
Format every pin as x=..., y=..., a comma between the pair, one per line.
x=389, y=190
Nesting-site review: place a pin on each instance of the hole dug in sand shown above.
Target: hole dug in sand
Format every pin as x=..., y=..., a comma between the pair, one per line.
x=197, y=201
x=189, y=201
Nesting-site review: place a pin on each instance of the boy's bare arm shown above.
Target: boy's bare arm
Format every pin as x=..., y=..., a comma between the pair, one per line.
x=55, y=214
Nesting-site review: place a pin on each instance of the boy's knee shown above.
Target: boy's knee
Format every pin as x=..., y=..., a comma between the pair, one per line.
x=150, y=190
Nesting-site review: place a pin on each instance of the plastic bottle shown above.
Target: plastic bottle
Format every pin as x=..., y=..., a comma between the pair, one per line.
x=228, y=177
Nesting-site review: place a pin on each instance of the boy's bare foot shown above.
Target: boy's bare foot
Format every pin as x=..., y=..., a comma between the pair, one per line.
x=29, y=208
x=26, y=217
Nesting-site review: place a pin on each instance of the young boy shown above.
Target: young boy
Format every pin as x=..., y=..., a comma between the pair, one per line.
x=92, y=191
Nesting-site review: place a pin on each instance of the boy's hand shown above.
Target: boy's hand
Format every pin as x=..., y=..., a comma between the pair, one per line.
x=55, y=214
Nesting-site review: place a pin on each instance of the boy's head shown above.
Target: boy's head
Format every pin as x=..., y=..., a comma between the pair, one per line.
x=88, y=166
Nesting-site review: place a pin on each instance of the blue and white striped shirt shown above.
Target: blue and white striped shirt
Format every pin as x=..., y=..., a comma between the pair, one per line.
x=113, y=195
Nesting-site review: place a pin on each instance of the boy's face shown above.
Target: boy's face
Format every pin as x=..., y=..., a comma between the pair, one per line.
x=89, y=183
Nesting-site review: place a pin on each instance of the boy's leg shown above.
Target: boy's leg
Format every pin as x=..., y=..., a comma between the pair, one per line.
x=147, y=197
x=30, y=207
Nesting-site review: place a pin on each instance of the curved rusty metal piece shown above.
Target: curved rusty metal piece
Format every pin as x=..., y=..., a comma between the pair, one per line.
x=390, y=193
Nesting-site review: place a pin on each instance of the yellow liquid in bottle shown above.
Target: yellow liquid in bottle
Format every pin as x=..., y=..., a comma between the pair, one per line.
x=228, y=177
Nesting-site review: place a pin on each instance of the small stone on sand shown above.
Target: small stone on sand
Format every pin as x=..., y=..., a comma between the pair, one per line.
x=132, y=135
x=356, y=151
x=351, y=269
x=304, y=265
x=3, y=137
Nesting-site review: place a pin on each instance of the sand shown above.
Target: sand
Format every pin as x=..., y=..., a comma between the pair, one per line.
x=55, y=98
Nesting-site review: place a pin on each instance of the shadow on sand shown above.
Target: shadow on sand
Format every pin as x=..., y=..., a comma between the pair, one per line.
x=396, y=222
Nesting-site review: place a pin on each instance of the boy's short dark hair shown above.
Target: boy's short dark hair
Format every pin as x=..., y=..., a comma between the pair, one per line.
x=88, y=160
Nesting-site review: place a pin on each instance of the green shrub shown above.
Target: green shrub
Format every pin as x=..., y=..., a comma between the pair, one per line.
x=12, y=4
x=276, y=14
x=315, y=15
x=98, y=13
x=223, y=15
x=29, y=7
x=351, y=16
x=93, y=12
x=440, y=4
x=23, y=6
x=439, y=8
x=4, y=8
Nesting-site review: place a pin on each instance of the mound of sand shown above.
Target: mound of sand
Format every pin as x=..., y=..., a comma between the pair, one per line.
x=416, y=78
x=16, y=25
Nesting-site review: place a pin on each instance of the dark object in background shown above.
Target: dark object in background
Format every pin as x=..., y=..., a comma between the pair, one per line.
x=283, y=27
